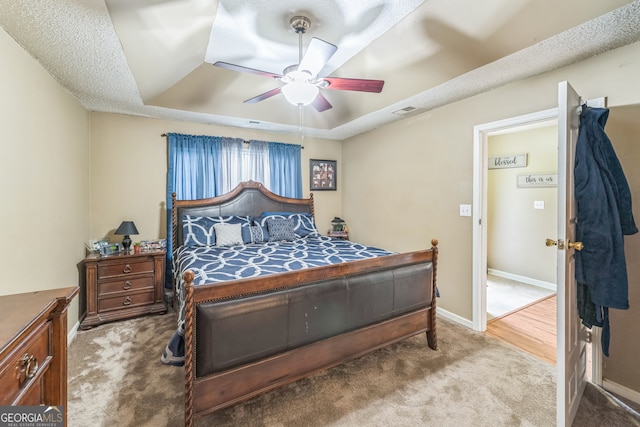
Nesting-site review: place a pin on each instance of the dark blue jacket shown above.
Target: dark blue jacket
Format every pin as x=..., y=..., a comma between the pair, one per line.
x=604, y=216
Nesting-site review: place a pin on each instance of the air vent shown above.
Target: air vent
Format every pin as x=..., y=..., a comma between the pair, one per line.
x=405, y=110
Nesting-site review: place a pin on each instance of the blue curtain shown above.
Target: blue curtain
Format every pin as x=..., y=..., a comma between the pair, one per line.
x=285, y=169
x=194, y=171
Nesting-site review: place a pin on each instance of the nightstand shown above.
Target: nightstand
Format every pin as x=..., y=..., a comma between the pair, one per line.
x=339, y=234
x=122, y=286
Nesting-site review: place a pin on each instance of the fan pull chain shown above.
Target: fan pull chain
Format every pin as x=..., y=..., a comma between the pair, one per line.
x=301, y=117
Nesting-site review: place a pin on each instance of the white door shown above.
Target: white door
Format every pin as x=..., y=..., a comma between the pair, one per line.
x=571, y=351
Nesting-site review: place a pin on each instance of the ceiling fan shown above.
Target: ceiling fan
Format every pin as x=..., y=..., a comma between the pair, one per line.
x=301, y=81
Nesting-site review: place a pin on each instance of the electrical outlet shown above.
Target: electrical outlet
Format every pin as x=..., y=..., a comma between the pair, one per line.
x=465, y=210
x=538, y=204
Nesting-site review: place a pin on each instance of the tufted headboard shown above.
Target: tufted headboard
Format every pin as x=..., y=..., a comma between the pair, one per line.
x=248, y=198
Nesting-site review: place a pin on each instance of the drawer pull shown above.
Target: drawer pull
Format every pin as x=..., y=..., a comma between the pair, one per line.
x=127, y=301
x=127, y=269
x=29, y=365
x=127, y=285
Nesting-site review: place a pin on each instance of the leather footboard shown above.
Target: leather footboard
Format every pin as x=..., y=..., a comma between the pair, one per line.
x=237, y=331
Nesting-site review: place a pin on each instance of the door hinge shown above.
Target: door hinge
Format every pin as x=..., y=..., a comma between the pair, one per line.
x=587, y=336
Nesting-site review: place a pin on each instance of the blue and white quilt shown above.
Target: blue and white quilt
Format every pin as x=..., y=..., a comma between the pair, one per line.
x=212, y=264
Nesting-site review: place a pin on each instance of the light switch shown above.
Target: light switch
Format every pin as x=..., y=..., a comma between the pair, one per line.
x=538, y=204
x=465, y=210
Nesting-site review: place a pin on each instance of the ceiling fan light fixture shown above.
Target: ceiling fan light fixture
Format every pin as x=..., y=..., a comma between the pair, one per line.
x=298, y=93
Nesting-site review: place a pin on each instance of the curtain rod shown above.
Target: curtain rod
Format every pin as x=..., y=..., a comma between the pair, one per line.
x=244, y=140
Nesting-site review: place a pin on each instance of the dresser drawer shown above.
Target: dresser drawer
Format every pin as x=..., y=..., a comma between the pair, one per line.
x=22, y=369
x=107, y=270
x=125, y=301
x=33, y=396
x=106, y=288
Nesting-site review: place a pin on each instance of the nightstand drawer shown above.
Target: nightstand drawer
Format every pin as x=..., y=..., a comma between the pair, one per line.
x=123, y=268
x=24, y=367
x=106, y=288
x=125, y=301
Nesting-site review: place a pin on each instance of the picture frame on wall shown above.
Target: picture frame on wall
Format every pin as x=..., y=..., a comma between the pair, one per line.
x=324, y=174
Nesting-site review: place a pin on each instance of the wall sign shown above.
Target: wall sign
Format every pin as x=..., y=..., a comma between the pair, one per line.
x=513, y=161
x=546, y=180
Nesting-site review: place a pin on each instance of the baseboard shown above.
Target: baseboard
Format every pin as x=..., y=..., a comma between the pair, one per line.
x=454, y=317
x=523, y=279
x=72, y=333
x=621, y=390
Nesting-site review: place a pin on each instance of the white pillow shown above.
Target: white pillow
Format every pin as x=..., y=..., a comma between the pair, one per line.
x=228, y=234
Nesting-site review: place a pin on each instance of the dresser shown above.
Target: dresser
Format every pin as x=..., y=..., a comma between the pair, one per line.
x=33, y=352
x=123, y=286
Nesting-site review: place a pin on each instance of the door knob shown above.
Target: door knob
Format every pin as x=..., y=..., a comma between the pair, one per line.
x=578, y=246
x=551, y=242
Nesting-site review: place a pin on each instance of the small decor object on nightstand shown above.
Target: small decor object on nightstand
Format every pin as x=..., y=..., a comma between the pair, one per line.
x=337, y=224
x=126, y=228
x=339, y=229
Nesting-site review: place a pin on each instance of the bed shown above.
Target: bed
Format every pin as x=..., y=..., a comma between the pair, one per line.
x=251, y=325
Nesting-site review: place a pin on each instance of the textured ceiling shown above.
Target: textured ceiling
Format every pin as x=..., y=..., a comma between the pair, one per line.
x=153, y=57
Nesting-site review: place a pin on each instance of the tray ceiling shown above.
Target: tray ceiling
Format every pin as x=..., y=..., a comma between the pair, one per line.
x=154, y=58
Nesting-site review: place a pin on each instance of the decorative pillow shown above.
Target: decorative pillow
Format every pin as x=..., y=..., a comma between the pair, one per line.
x=228, y=234
x=280, y=229
x=199, y=231
x=304, y=225
x=262, y=223
x=257, y=235
x=282, y=214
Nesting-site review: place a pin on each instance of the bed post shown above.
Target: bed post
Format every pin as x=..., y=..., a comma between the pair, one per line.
x=432, y=338
x=188, y=348
x=311, y=207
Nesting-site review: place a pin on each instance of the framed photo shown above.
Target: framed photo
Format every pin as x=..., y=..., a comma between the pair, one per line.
x=324, y=174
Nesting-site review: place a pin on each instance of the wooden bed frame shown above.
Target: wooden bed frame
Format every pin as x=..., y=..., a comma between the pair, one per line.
x=205, y=395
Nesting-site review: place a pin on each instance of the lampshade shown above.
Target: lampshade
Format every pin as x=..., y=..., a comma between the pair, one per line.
x=300, y=93
x=126, y=228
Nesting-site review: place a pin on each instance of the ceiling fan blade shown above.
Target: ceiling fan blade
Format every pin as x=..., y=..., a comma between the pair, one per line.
x=263, y=96
x=361, y=85
x=317, y=55
x=321, y=104
x=242, y=69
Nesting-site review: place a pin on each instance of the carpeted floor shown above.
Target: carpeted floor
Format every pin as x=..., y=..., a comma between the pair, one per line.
x=116, y=378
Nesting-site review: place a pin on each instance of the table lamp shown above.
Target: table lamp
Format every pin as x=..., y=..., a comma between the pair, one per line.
x=126, y=228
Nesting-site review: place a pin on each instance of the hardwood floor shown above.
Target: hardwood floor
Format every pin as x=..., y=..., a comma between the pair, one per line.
x=532, y=329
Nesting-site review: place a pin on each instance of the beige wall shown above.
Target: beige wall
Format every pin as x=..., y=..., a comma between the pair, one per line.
x=44, y=168
x=402, y=184
x=405, y=181
x=129, y=160
x=623, y=128
x=515, y=230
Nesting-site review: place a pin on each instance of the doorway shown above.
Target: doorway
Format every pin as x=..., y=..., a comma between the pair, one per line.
x=514, y=242
x=520, y=209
